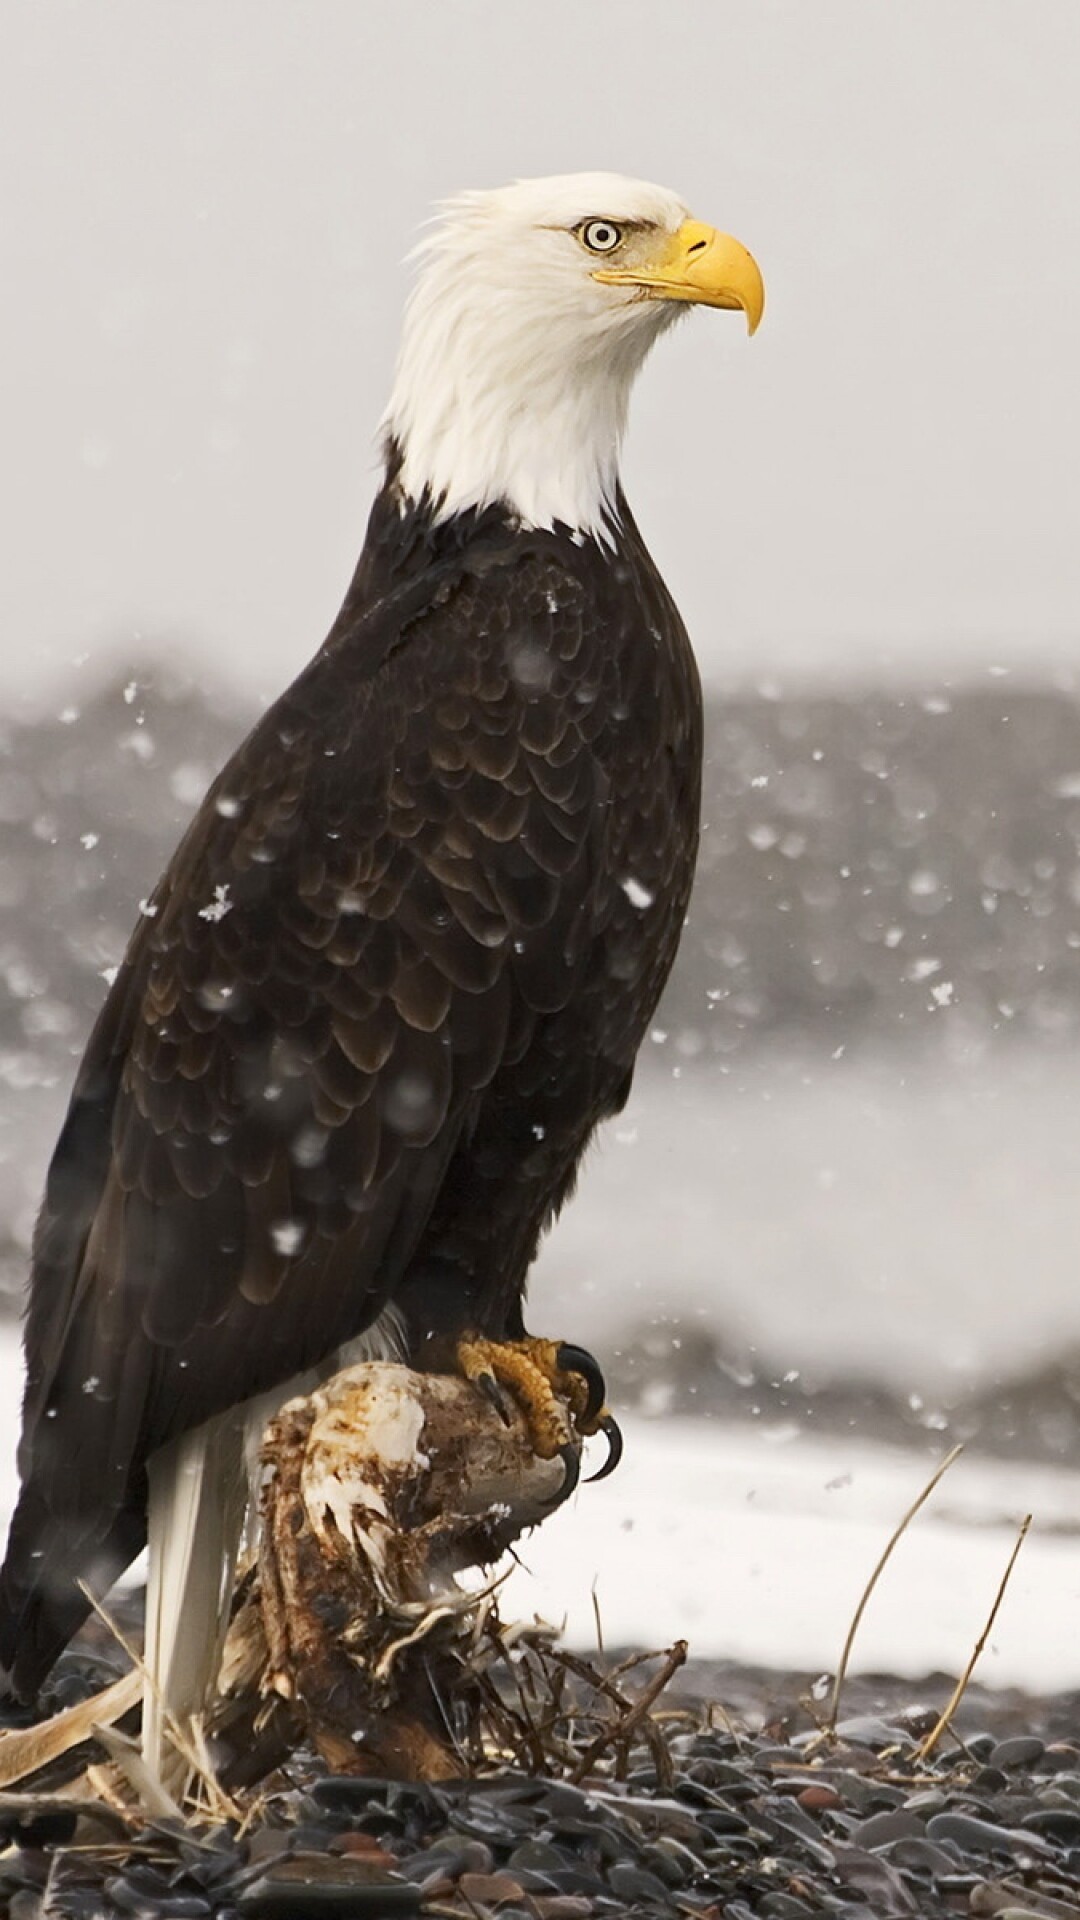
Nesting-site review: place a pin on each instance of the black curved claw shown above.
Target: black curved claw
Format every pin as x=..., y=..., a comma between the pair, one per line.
x=493, y=1393
x=570, y=1359
x=570, y=1455
x=612, y=1432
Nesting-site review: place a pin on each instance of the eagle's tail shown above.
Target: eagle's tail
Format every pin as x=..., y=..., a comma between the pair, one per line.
x=198, y=1499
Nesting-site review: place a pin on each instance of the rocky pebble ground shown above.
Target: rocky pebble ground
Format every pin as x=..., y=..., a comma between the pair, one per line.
x=735, y=1811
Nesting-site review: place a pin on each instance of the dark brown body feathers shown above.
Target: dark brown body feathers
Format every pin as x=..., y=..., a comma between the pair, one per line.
x=397, y=971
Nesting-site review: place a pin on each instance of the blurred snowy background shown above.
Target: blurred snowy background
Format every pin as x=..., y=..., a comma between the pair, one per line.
x=845, y=1196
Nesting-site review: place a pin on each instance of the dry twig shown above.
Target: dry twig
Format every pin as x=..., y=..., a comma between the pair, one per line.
x=828, y=1731
x=620, y=1731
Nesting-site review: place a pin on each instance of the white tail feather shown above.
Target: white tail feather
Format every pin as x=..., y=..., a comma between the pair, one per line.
x=198, y=1498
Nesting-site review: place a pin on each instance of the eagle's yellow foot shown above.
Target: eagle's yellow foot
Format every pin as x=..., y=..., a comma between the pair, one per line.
x=543, y=1377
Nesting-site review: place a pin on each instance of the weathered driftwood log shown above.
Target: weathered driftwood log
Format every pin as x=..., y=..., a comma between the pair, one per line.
x=378, y=1489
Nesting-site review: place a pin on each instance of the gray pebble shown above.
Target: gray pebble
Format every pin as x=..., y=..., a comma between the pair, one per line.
x=712, y=1773
x=351, y=1793
x=376, y=1892
x=451, y=1857
x=636, y=1883
x=858, y=1793
x=1057, y=1823
x=1062, y=1789
x=926, y=1801
x=735, y=1782
x=599, y=1838
x=881, y=1828
x=721, y=1820
x=678, y=1854
x=267, y=1842
x=537, y=1856
x=312, y=1839
x=1022, y=1750
x=671, y=1871
x=989, y=1780
x=1021, y=1913
x=981, y=1836
x=130, y=1894
x=921, y=1856
x=878, y=1880
x=559, y=1797
x=866, y=1730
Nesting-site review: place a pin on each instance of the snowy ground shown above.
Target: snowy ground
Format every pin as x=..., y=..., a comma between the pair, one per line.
x=756, y=1545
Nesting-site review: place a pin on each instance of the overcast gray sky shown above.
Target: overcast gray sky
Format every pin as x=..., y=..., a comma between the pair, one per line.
x=204, y=208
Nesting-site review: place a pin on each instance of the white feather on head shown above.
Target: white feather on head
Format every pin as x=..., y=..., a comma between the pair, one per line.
x=516, y=365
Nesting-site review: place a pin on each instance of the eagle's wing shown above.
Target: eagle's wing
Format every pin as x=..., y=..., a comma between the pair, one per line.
x=388, y=886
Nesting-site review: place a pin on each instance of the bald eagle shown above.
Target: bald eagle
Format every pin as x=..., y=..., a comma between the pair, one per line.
x=401, y=963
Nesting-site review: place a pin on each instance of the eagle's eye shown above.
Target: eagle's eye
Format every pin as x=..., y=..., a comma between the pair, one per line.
x=600, y=236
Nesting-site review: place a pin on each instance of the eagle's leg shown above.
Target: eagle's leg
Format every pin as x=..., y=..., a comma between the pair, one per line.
x=542, y=1376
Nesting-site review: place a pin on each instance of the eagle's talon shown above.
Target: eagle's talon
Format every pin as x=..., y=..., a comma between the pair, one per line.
x=494, y=1395
x=570, y=1455
x=558, y=1389
x=612, y=1432
x=578, y=1360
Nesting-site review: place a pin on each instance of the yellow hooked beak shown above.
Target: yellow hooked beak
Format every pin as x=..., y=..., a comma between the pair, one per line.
x=697, y=264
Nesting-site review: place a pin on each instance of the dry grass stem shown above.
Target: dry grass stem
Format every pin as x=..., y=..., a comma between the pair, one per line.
x=126, y=1757
x=25, y=1750
x=216, y=1801
x=599, y=1622
x=828, y=1731
x=926, y=1746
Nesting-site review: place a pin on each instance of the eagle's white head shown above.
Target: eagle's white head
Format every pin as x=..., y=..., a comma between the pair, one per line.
x=535, y=307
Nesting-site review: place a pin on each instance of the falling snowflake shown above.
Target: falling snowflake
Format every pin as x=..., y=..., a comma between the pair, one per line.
x=287, y=1236
x=189, y=781
x=139, y=744
x=219, y=906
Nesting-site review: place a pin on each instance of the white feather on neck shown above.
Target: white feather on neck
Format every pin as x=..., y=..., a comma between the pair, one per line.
x=514, y=376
